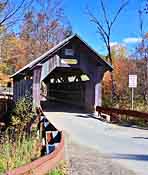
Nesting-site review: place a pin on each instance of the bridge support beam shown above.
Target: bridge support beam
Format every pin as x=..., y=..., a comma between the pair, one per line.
x=89, y=95
x=98, y=94
x=36, y=85
x=98, y=87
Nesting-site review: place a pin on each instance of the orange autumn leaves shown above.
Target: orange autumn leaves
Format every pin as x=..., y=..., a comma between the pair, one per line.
x=123, y=66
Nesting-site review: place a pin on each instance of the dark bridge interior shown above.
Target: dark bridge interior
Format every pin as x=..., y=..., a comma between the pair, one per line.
x=65, y=85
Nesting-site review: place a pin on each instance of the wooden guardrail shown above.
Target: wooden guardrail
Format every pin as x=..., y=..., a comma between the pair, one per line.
x=117, y=112
x=45, y=163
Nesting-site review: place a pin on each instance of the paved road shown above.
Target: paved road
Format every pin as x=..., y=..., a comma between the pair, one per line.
x=127, y=146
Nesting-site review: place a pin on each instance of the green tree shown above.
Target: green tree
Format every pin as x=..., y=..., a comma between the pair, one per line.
x=22, y=114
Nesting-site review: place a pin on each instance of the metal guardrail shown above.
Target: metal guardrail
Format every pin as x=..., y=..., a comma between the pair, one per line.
x=117, y=112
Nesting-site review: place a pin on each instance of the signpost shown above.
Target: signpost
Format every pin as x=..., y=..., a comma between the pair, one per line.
x=132, y=84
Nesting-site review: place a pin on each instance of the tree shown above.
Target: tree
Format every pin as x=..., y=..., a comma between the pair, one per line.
x=10, y=11
x=146, y=7
x=105, y=31
x=44, y=27
x=123, y=66
x=14, y=53
x=142, y=56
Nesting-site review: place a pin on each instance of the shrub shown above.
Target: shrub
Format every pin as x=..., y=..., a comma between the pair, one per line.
x=22, y=114
x=17, y=146
x=106, y=102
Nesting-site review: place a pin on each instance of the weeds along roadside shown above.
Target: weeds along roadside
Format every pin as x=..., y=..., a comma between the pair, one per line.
x=19, y=145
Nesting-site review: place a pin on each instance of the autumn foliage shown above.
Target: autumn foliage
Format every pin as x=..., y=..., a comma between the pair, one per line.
x=123, y=66
x=33, y=27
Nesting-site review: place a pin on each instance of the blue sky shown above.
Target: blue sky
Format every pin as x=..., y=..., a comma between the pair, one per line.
x=126, y=28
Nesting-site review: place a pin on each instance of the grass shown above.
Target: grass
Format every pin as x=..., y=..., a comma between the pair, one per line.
x=18, y=153
x=17, y=145
x=56, y=172
x=61, y=169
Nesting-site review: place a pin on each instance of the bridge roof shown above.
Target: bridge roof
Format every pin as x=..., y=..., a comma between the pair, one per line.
x=55, y=49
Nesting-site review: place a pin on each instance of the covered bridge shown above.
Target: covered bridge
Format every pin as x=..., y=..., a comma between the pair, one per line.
x=71, y=72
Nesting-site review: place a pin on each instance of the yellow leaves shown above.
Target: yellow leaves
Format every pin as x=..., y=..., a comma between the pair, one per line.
x=118, y=51
x=14, y=53
x=4, y=79
x=122, y=68
x=107, y=83
x=2, y=29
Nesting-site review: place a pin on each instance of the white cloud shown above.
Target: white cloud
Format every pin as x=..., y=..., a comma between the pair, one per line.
x=125, y=41
x=132, y=40
x=113, y=43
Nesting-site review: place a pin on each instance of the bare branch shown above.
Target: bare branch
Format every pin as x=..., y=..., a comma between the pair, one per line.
x=12, y=23
x=94, y=20
x=118, y=12
x=13, y=12
x=103, y=37
x=105, y=33
x=105, y=14
x=141, y=23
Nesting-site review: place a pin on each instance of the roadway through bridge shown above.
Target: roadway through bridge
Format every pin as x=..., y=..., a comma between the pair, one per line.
x=125, y=145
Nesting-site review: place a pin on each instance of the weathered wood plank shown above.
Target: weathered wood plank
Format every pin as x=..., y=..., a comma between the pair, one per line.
x=36, y=85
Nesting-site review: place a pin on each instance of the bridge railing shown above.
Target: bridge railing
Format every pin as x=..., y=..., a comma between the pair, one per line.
x=117, y=113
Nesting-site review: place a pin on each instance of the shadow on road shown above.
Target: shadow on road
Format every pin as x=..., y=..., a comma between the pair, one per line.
x=140, y=138
x=133, y=126
x=88, y=115
x=52, y=106
x=142, y=157
x=67, y=108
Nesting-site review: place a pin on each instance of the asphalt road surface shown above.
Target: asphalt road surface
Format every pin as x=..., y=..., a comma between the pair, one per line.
x=125, y=145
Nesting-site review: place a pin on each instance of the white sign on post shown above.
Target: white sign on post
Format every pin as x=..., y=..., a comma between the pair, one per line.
x=132, y=84
x=132, y=81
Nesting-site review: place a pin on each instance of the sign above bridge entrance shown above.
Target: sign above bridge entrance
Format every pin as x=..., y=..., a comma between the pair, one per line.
x=69, y=61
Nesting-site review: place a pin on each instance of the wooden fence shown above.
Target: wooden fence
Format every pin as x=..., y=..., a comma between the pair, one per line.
x=116, y=113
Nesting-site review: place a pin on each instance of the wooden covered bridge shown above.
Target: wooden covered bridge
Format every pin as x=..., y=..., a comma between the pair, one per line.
x=71, y=72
